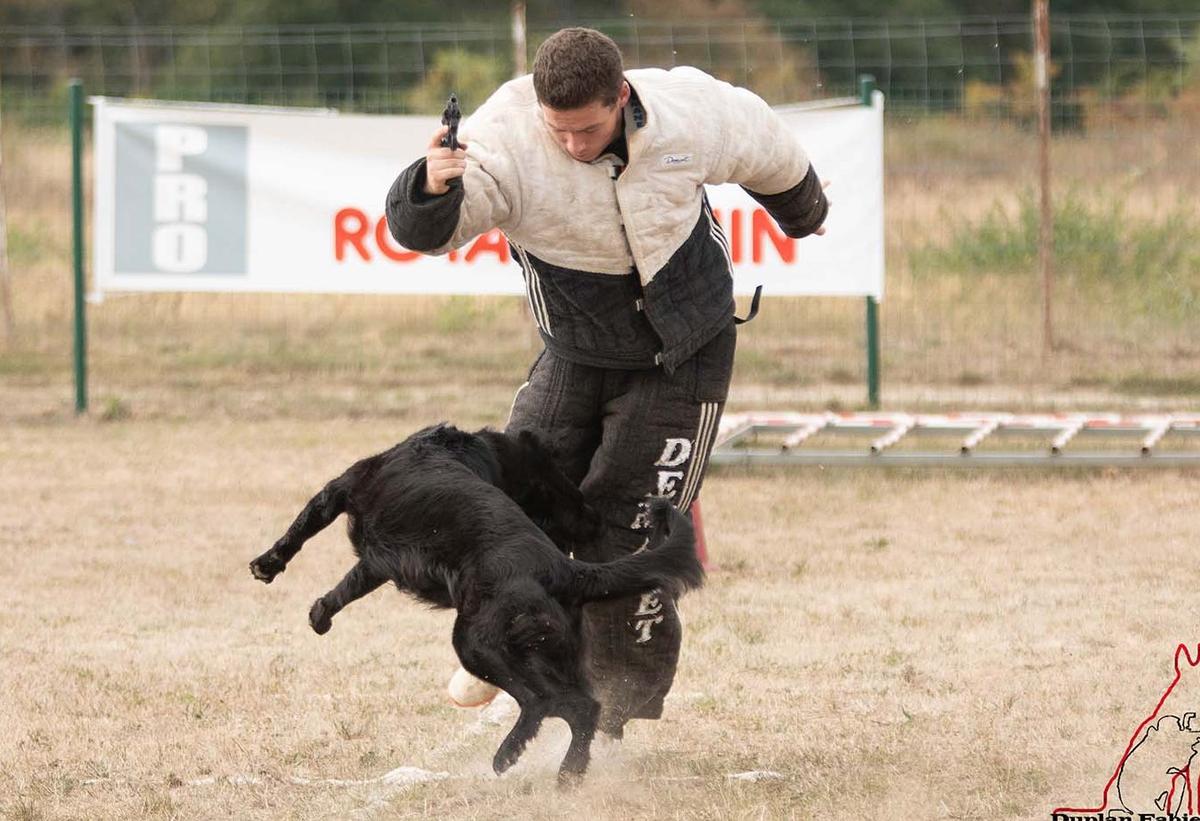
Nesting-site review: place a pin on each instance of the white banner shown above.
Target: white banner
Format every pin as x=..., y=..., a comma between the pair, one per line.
x=242, y=198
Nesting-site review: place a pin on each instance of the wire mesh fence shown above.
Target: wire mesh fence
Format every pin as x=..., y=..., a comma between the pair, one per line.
x=923, y=65
x=962, y=312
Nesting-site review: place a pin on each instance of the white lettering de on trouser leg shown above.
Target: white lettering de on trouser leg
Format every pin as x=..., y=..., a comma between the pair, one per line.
x=680, y=487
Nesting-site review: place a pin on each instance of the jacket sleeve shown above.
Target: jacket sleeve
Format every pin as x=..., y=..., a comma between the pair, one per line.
x=801, y=209
x=756, y=150
x=437, y=223
x=420, y=221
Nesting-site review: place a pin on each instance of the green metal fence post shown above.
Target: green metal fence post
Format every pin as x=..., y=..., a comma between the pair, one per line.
x=866, y=88
x=76, y=119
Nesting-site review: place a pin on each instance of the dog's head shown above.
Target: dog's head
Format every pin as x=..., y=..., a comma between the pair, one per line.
x=469, y=449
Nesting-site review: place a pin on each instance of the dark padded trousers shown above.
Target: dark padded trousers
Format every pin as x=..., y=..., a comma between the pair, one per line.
x=623, y=435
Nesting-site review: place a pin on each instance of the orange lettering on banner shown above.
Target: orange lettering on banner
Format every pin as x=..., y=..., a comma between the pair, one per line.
x=735, y=235
x=351, y=231
x=344, y=235
x=383, y=239
x=493, y=242
x=761, y=225
x=352, y=234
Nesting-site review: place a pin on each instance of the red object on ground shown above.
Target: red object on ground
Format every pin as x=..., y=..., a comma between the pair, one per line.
x=701, y=545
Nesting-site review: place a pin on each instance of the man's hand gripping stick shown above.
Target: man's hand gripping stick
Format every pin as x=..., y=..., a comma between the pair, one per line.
x=450, y=117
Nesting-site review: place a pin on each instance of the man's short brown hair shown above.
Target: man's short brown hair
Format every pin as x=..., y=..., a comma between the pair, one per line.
x=575, y=67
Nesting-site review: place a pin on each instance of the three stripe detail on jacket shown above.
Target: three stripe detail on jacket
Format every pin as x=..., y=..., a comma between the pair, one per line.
x=718, y=234
x=533, y=290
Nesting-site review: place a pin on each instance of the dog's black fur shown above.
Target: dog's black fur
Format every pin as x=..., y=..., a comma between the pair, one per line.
x=447, y=516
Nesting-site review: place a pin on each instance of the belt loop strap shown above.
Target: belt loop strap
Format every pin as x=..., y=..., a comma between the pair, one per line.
x=753, y=308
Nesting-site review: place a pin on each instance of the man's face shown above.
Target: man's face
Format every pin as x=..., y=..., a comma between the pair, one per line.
x=584, y=132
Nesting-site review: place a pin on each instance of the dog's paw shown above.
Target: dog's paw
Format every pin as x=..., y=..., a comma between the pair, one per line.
x=569, y=780
x=505, y=757
x=267, y=566
x=319, y=617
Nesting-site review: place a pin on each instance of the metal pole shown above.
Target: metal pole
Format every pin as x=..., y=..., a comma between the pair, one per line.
x=6, y=309
x=872, y=352
x=866, y=88
x=518, y=38
x=76, y=118
x=1041, y=67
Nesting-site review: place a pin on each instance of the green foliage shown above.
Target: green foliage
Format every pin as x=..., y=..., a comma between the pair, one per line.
x=911, y=9
x=473, y=77
x=237, y=12
x=23, y=362
x=1144, y=384
x=1100, y=241
x=544, y=13
x=899, y=10
x=115, y=409
x=463, y=314
x=1150, y=265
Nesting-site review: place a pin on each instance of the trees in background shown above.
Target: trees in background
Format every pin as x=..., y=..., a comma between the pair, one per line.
x=366, y=57
x=540, y=12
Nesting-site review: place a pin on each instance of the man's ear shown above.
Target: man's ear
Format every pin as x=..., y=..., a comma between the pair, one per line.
x=624, y=94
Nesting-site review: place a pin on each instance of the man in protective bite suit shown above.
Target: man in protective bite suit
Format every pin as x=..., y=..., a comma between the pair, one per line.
x=596, y=176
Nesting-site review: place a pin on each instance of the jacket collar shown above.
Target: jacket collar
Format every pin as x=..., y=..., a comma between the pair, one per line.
x=636, y=109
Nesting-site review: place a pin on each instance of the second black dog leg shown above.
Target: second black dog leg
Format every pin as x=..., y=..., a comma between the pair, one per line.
x=524, y=731
x=354, y=585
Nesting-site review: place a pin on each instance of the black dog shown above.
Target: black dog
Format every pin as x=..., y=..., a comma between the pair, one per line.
x=441, y=515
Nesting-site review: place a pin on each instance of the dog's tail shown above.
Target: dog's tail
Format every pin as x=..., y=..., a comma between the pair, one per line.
x=668, y=563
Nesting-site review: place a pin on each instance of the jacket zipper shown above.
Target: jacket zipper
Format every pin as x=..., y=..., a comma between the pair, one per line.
x=640, y=304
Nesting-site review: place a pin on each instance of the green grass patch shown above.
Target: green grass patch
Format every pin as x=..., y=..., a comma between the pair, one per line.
x=24, y=362
x=463, y=314
x=25, y=247
x=1151, y=385
x=767, y=366
x=1092, y=241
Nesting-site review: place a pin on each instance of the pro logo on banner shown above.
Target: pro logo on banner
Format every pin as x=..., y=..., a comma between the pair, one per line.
x=181, y=190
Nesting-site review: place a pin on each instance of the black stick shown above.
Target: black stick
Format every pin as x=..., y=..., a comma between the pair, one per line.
x=450, y=117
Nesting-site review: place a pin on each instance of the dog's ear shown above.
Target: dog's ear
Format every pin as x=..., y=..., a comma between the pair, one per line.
x=536, y=448
x=446, y=434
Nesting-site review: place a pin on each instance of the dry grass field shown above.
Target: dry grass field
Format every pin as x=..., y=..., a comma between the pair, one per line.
x=905, y=645
x=919, y=645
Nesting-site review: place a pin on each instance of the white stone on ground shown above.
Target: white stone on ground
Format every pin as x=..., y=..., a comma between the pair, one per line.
x=757, y=775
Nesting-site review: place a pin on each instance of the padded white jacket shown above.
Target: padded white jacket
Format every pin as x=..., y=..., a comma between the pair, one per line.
x=624, y=267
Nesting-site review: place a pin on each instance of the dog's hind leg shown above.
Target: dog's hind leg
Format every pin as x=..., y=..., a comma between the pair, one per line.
x=487, y=657
x=354, y=585
x=320, y=511
x=581, y=712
